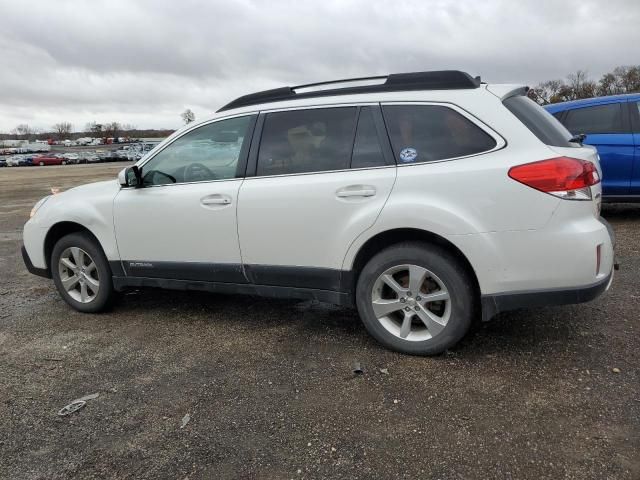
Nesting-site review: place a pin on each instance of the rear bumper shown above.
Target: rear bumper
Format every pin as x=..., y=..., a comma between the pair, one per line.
x=41, y=272
x=496, y=303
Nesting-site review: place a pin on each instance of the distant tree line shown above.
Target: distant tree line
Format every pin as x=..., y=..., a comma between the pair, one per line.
x=625, y=79
x=65, y=131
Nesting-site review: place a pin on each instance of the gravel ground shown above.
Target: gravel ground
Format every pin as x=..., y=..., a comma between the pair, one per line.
x=270, y=392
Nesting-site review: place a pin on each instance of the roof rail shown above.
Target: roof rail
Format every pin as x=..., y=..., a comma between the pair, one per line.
x=436, y=80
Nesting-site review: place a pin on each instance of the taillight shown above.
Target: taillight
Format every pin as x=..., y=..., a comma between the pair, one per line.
x=564, y=177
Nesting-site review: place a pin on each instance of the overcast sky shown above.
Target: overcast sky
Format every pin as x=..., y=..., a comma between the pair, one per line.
x=145, y=61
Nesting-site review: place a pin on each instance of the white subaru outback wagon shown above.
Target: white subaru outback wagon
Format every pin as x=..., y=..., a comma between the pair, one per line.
x=427, y=200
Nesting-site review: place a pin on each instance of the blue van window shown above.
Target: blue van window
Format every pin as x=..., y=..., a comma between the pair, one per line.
x=596, y=119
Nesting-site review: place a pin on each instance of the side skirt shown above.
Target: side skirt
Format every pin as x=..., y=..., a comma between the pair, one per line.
x=339, y=298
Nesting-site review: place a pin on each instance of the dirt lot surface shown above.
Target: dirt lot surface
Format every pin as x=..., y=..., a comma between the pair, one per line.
x=270, y=392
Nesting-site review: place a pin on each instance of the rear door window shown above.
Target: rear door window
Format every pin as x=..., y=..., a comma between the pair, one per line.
x=427, y=133
x=596, y=119
x=304, y=141
x=540, y=122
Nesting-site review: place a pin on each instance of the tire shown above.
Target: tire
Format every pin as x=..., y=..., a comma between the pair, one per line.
x=63, y=162
x=41, y=164
x=81, y=251
x=434, y=326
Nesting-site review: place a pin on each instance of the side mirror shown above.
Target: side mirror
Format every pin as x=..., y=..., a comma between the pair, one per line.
x=130, y=177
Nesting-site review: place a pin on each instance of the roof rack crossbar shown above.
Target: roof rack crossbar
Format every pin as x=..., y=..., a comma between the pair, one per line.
x=436, y=80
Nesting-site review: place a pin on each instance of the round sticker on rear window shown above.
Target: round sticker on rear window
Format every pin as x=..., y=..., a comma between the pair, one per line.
x=408, y=155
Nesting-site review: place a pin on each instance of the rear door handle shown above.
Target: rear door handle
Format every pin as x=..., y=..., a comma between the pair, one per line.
x=357, y=191
x=215, y=199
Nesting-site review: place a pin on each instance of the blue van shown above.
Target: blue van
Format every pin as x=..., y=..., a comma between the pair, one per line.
x=612, y=125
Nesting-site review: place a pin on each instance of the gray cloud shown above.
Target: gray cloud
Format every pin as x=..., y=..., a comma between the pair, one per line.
x=143, y=62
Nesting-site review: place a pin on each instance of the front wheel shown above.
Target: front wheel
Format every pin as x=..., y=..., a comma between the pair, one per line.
x=81, y=273
x=415, y=298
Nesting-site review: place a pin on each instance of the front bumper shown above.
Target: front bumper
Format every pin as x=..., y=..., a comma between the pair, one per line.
x=41, y=272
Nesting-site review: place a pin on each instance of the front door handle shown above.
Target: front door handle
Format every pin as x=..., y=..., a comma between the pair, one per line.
x=215, y=199
x=356, y=191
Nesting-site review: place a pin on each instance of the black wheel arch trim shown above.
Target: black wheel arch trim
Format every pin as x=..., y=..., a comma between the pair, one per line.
x=41, y=272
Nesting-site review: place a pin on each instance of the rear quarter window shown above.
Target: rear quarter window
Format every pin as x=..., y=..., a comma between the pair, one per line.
x=540, y=122
x=427, y=133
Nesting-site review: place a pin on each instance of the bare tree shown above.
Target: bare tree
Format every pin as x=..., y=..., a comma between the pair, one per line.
x=188, y=116
x=580, y=85
x=63, y=130
x=628, y=78
x=111, y=129
x=547, y=92
x=23, y=130
x=608, y=85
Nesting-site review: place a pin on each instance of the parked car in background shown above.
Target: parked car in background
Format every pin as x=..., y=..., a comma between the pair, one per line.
x=3, y=162
x=427, y=200
x=12, y=161
x=110, y=157
x=612, y=125
x=91, y=158
x=71, y=158
x=19, y=161
x=43, y=160
x=123, y=153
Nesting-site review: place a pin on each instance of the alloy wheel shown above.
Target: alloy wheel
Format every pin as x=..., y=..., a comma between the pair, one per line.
x=411, y=302
x=79, y=275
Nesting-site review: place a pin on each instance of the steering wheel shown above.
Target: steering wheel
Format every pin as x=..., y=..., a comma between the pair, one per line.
x=197, y=172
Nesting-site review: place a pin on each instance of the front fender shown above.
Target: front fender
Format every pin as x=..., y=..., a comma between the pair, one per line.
x=89, y=206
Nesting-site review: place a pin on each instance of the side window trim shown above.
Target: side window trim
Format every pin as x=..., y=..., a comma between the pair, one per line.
x=353, y=135
x=499, y=139
x=243, y=159
x=633, y=109
x=383, y=135
x=252, y=163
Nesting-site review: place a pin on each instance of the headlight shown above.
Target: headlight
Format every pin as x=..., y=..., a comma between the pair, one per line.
x=37, y=206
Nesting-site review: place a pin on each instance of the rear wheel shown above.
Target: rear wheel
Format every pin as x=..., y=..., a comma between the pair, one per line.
x=81, y=273
x=64, y=162
x=41, y=164
x=415, y=298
